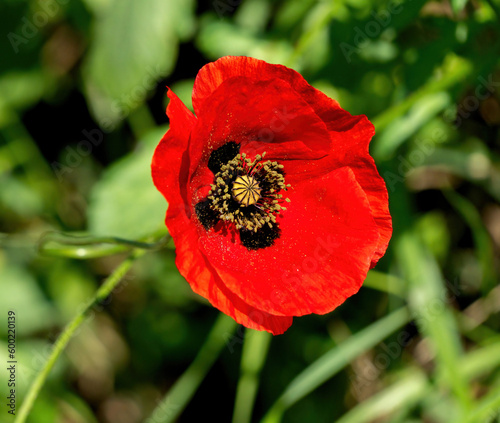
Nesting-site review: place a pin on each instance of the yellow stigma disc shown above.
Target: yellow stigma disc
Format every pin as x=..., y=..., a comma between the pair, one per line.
x=246, y=190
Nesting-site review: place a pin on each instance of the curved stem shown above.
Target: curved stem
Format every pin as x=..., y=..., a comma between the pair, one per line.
x=252, y=360
x=105, y=289
x=84, y=246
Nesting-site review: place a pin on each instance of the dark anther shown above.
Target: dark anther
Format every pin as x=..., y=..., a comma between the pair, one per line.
x=222, y=155
x=263, y=238
x=206, y=215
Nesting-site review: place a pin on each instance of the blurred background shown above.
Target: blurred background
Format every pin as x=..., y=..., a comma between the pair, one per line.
x=82, y=107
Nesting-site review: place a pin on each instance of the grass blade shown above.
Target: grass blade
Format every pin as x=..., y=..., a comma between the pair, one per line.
x=330, y=363
x=435, y=320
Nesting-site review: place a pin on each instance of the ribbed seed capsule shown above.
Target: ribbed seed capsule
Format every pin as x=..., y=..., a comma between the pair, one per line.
x=246, y=190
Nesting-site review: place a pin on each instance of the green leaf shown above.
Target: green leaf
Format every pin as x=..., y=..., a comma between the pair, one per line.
x=125, y=202
x=26, y=299
x=135, y=45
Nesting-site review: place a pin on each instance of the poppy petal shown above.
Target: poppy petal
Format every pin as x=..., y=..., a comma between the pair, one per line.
x=214, y=74
x=350, y=145
x=170, y=161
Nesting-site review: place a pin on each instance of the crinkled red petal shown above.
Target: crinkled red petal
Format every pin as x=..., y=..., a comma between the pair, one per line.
x=350, y=148
x=214, y=74
x=328, y=238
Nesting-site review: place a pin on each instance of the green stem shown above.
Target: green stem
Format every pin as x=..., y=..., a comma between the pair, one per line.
x=253, y=358
x=60, y=244
x=174, y=402
x=106, y=288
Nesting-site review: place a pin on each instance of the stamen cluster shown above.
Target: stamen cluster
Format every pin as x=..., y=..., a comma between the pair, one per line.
x=267, y=176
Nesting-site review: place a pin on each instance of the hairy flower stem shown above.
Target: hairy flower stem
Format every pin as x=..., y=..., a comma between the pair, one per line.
x=105, y=289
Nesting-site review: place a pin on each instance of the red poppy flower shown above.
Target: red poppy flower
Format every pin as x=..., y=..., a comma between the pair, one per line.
x=275, y=205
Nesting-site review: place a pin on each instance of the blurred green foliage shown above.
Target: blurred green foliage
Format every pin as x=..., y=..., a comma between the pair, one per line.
x=82, y=99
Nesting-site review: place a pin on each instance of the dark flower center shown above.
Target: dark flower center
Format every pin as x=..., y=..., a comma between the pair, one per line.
x=245, y=193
